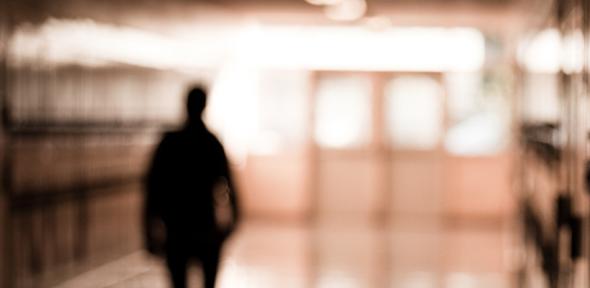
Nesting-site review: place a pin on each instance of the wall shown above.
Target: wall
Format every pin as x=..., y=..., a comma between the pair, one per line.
x=479, y=188
x=79, y=141
x=276, y=187
x=3, y=209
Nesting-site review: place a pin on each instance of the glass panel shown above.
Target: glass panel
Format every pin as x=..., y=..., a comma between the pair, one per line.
x=483, y=133
x=462, y=89
x=478, y=113
x=282, y=112
x=414, y=112
x=343, y=111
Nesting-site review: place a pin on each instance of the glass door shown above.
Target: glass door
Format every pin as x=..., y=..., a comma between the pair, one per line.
x=377, y=140
x=414, y=116
x=347, y=176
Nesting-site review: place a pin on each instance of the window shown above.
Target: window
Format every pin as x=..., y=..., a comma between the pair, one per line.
x=414, y=112
x=343, y=112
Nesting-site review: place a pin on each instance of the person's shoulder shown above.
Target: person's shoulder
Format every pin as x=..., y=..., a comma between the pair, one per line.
x=213, y=138
x=170, y=137
x=171, y=134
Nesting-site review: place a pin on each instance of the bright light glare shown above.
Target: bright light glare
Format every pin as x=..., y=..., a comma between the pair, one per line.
x=66, y=42
x=414, y=113
x=233, y=107
x=88, y=43
x=347, y=10
x=323, y=2
x=573, y=52
x=549, y=51
x=357, y=48
x=482, y=134
x=541, y=53
x=343, y=112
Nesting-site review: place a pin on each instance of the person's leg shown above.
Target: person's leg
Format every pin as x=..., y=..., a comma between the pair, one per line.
x=210, y=263
x=177, y=267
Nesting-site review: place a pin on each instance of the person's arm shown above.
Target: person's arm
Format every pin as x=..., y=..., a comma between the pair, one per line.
x=152, y=210
x=233, y=193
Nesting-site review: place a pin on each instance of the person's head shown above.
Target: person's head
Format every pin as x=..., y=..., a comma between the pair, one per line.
x=195, y=103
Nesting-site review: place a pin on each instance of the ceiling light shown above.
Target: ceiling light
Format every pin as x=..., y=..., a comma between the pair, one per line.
x=347, y=10
x=323, y=2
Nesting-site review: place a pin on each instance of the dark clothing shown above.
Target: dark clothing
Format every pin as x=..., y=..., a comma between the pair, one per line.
x=187, y=167
x=178, y=261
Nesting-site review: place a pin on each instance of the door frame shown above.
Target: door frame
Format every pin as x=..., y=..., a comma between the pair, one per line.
x=377, y=145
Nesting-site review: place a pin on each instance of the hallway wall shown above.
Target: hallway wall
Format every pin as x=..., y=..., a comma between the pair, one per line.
x=3, y=206
x=78, y=142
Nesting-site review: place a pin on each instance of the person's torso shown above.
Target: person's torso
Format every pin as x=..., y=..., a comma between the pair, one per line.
x=192, y=166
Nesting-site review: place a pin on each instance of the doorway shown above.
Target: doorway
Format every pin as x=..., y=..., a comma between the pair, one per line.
x=377, y=146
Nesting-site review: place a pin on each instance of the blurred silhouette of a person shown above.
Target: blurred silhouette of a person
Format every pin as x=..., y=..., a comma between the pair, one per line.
x=190, y=204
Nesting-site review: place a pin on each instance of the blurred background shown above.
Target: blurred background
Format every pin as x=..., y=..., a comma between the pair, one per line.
x=375, y=143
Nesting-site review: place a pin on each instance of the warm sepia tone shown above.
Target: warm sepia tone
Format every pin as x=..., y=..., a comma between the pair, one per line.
x=359, y=143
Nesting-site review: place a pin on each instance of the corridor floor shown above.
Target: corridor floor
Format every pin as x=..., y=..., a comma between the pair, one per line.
x=279, y=255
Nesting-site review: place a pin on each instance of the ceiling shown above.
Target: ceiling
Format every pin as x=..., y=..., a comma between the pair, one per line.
x=157, y=15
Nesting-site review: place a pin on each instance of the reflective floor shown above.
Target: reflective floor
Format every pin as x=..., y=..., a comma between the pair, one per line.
x=291, y=255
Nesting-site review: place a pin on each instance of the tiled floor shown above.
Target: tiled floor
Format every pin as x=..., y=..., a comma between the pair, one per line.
x=280, y=255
